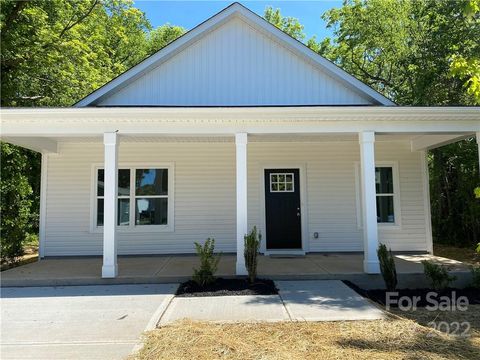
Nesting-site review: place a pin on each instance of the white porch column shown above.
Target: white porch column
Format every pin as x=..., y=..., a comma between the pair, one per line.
x=110, y=268
x=369, y=202
x=241, y=141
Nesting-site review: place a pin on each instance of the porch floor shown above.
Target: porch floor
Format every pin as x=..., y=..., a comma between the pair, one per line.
x=176, y=268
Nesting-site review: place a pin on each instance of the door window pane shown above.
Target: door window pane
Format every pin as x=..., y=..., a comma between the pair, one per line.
x=151, y=211
x=385, y=212
x=151, y=182
x=282, y=182
x=123, y=212
x=384, y=180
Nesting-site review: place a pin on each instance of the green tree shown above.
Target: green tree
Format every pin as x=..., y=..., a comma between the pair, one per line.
x=468, y=69
x=409, y=50
x=15, y=193
x=53, y=53
x=56, y=52
x=162, y=36
x=290, y=25
x=403, y=48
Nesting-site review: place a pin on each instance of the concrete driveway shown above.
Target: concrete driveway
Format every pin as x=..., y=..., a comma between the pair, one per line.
x=79, y=322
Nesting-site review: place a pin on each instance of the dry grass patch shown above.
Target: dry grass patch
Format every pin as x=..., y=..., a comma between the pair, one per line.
x=393, y=338
x=466, y=255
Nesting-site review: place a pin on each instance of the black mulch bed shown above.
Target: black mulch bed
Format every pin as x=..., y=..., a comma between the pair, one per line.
x=227, y=287
x=380, y=297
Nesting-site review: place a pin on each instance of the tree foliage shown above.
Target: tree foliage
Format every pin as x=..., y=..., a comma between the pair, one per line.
x=421, y=53
x=15, y=193
x=56, y=52
x=416, y=53
x=403, y=48
x=290, y=25
x=53, y=54
x=468, y=69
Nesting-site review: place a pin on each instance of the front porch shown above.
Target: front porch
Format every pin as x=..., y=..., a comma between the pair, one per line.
x=176, y=268
x=214, y=174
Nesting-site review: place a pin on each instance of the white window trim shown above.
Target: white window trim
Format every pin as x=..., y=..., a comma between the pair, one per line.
x=397, y=225
x=132, y=228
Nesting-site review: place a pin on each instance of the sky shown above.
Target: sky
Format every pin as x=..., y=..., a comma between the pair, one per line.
x=188, y=14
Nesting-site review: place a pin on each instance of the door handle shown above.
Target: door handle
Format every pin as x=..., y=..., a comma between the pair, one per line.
x=298, y=211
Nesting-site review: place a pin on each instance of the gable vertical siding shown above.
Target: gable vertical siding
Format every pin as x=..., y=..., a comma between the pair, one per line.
x=205, y=195
x=235, y=65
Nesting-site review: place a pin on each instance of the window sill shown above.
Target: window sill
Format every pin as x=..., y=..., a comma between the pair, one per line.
x=137, y=229
x=385, y=226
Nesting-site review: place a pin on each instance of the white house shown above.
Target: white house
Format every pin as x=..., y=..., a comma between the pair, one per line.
x=235, y=124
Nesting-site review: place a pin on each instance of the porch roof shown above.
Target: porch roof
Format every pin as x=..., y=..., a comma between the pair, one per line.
x=41, y=128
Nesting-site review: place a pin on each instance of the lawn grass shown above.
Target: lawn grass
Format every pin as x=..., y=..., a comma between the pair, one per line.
x=466, y=255
x=400, y=336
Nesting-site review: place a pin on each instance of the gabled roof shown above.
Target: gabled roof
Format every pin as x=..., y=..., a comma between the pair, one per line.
x=211, y=24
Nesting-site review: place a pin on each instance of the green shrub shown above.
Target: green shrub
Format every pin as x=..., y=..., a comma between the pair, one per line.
x=387, y=267
x=437, y=275
x=204, y=275
x=476, y=277
x=250, y=253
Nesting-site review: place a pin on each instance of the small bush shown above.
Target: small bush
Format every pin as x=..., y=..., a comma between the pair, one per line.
x=204, y=275
x=387, y=267
x=437, y=275
x=252, y=245
x=476, y=277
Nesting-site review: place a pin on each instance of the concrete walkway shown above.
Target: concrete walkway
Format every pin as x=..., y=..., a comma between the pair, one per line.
x=79, y=322
x=325, y=300
x=314, y=300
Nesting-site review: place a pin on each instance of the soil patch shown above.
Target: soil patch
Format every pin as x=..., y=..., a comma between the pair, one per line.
x=228, y=287
x=380, y=295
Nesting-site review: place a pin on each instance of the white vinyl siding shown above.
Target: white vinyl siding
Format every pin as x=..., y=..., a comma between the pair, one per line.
x=204, y=195
x=236, y=65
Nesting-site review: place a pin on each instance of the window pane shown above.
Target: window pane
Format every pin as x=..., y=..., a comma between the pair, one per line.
x=150, y=211
x=151, y=182
x=274, y=187
x=99, y=212
x=385, y=209
x=124, y=182
x=100, y=182
x=123, y=212
x=384, y=180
